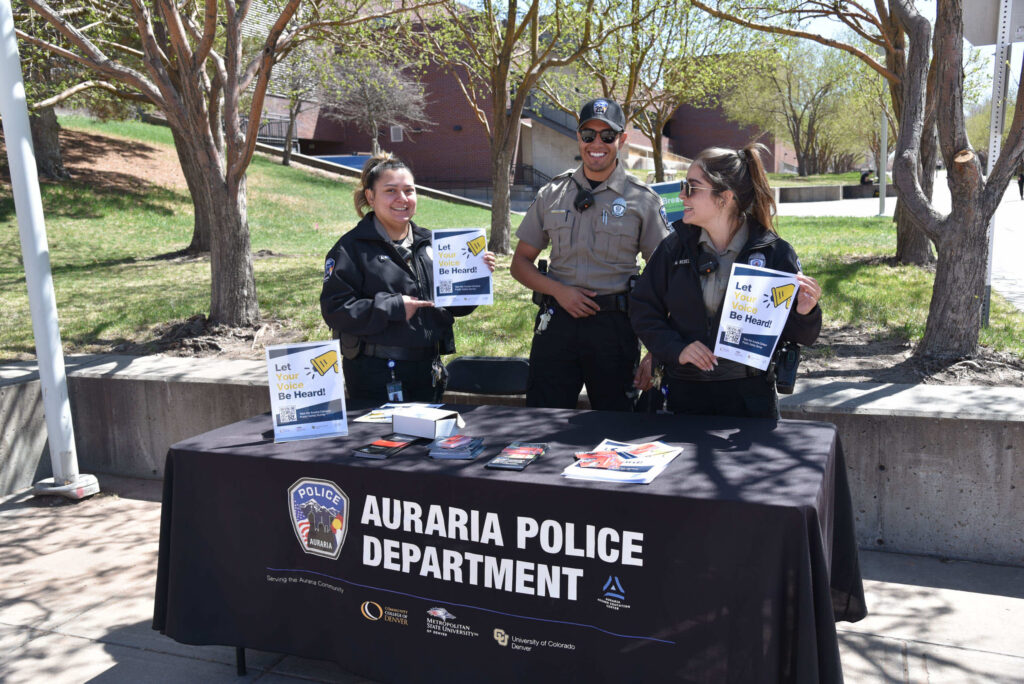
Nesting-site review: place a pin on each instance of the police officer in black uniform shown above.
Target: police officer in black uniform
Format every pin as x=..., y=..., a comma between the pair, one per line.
x=596, y=219
x=378, y=280
x=677, y=304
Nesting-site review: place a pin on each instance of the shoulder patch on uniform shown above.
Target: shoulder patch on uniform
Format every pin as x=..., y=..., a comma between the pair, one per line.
x=328, y=268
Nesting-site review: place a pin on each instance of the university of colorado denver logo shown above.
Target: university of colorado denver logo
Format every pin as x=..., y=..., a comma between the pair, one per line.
x=319, y=513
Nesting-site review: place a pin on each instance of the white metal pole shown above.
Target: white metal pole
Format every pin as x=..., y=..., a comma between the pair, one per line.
x=1000, y=78
x=28, y=206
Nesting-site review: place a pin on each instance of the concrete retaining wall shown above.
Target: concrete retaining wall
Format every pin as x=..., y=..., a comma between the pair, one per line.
x=933, y=470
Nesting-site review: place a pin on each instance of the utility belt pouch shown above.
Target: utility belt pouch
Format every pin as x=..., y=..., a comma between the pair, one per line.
x=542, y=266
x=786, y=362
x=351, y=346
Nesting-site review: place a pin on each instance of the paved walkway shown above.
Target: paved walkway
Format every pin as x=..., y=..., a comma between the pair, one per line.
x=77, y=584
x=1008, y=243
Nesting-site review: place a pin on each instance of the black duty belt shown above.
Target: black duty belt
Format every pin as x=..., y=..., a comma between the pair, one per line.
x=618, y=301
x=380, y=351
x=609, y=302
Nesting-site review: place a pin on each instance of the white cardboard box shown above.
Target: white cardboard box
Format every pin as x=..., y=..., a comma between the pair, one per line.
x=423, y=421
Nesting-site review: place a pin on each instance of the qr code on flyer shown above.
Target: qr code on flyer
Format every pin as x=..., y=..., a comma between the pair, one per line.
x=732, y=334
x=445, y=287
x=286, y=414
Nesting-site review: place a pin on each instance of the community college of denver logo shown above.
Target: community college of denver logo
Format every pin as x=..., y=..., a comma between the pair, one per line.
x=318, y=510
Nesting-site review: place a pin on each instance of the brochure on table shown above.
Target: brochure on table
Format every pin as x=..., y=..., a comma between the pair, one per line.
x=461, y=278
x=612, y=461
x=757, y=304
x=307, y=390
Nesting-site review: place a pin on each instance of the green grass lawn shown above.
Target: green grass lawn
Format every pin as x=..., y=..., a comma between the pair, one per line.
x=114, y=284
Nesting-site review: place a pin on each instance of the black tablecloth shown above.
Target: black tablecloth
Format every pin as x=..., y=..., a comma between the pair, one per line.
x=732, y=566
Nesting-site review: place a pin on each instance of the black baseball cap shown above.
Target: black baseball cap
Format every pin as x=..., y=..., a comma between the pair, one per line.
x=603, y=110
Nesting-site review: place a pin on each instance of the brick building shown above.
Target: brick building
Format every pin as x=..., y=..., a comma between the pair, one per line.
x=692, y=129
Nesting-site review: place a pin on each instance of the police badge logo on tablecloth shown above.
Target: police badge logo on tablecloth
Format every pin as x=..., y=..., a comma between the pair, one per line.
x=318, y=510
x=756, y=259
x=619, y=207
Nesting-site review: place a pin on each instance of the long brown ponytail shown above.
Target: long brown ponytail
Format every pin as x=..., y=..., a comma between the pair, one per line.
x=742, y=172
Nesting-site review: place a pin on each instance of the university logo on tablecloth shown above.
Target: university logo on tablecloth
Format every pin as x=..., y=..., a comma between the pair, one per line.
x=318, y=510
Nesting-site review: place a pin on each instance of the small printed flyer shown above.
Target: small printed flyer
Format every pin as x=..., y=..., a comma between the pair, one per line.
x=307, y=390
x=461, y=278
x=756, y=306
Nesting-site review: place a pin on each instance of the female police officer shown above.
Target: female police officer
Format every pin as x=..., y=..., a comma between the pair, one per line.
x=378, y=280
x=676, y=305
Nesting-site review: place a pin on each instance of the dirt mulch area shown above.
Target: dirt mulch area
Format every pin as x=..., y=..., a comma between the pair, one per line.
x=113, y=165
x=858, y=356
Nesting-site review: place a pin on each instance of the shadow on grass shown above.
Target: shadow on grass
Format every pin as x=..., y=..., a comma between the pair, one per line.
x=93, y=192
x=832, y=273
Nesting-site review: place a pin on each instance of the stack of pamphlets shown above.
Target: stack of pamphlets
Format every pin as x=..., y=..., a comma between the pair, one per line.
x=612, y=461
x=518, y=455
x=386, y=446
x=457, y=446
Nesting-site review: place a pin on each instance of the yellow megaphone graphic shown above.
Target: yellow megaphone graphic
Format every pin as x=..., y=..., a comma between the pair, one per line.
x=325, y=362
x=476, y=245
x=782, y=294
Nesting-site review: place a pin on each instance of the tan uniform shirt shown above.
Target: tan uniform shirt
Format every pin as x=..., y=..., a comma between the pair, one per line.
x=714, y=284
x=595, y=249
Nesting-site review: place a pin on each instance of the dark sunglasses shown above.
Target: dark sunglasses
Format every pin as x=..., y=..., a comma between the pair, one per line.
x=686, y=188
x=608, y=136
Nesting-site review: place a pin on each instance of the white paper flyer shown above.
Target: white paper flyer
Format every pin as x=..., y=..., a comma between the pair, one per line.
x=757, y=304
x=307, y=390
x=461, y=278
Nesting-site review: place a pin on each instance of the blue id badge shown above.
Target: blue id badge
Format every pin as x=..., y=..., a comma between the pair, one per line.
x=394, y=388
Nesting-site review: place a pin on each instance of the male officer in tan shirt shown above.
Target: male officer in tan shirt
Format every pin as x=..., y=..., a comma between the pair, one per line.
x=596, y=219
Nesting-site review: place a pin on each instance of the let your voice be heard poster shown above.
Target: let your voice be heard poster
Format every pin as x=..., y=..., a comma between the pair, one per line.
x=307, y=390
x=461, y=278
x=757, y=304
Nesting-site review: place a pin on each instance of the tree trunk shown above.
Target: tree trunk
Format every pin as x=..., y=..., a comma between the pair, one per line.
x=954, y=316
x=232, y=283
x=293, y=114
x=46, y=143
x=501, y=226
x=199, y=188
x=912, y=245
x=659, y=161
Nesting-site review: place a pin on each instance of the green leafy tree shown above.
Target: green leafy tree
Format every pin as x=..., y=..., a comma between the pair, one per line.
x=498, y=53
x=190, y=63
x=51, y=81
x=799, y=93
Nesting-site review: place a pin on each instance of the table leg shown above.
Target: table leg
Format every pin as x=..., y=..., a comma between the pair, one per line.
x=240, y=661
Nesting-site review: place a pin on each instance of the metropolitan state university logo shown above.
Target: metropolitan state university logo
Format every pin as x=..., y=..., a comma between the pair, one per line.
x=319, y=513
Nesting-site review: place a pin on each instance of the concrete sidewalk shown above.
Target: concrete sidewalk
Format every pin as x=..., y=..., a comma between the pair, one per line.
x=77, y=583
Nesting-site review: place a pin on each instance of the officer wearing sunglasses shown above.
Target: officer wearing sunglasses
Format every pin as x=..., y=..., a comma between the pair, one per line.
x=677, y=304
x=596, y=219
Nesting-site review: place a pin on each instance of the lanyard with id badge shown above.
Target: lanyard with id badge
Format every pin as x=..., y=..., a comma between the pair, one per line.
x=394, y=388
